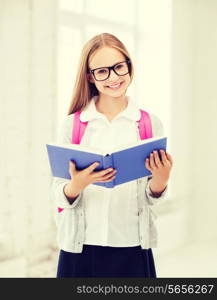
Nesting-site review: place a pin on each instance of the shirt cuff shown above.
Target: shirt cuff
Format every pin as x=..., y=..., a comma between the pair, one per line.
x=60, y=198
x=152, y=199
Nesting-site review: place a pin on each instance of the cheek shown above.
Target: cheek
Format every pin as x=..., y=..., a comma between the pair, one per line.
x=99, y=86
x=127, y=80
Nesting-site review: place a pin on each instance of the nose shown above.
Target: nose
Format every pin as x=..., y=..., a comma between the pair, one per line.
x=113, y=75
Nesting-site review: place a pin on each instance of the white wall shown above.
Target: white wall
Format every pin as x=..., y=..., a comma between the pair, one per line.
x=173, y=226
x=193, y=123
x=204, y=201
x=28, y=110
x=191, y=217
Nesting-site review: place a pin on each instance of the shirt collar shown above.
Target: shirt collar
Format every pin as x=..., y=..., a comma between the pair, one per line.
x=90, y=112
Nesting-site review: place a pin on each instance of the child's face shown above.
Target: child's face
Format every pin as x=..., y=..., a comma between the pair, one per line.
x=106, y=57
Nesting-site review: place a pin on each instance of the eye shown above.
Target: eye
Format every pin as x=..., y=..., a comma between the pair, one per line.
x=101, y=71
x=119, y=66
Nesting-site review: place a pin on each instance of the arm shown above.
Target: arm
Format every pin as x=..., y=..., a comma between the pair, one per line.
x=58, y=194
x=63, y=196
x=157, y=183
x=153, y=197
x=157, y=188
x=70, y=193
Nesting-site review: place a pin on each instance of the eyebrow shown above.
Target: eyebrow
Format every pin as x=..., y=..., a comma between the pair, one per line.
x=108, y=66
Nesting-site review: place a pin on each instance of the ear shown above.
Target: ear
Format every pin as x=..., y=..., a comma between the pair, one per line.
x=90, y=78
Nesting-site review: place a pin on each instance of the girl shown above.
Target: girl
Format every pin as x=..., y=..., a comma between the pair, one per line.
x=107, y=232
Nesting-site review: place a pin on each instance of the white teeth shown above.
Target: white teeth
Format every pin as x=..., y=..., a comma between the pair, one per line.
x=114, y=86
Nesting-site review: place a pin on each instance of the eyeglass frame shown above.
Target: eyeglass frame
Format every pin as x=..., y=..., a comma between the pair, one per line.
x=111, y=68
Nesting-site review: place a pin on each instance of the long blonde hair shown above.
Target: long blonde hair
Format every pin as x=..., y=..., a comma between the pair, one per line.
x=83, y=89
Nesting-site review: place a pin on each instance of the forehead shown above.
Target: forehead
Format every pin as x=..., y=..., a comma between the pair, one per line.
x=105, y=56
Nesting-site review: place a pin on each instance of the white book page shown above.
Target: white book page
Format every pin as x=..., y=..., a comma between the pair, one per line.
x=96, y=150
x=142, y=142
x=79, y=147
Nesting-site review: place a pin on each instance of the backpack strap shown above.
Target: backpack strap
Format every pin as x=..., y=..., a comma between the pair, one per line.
x=144, y=125
x=78, y=128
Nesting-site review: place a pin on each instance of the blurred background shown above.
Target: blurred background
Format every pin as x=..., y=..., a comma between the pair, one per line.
x=173, y=44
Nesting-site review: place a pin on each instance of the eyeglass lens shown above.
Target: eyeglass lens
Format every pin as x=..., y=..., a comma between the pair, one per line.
x=103, y=73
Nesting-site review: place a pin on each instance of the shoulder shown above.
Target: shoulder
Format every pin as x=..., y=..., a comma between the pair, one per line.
x=67, y=120
x=157, y=125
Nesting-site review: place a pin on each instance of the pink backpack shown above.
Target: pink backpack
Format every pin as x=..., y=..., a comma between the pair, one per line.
x=144, y=125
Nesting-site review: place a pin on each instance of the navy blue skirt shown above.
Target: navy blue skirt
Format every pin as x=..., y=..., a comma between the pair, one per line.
x=106, y=261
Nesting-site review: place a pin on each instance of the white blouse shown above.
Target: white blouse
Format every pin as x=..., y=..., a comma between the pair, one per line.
x=111, y=215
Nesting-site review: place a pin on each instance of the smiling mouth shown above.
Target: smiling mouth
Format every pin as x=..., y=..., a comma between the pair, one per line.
x=115, y=86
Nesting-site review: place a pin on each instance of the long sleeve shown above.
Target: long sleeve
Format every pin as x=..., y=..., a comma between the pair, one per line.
x=57, y=184
x=157, y=129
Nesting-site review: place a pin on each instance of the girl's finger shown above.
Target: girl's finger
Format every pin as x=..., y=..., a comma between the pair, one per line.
x=164, y=158
x=157, y=160
x=91, y=167
x=104, y=176
x=101, y=173
x=147, y=164
x=152, y=163
x=72, y=168
x=108, y=180
x=169, y=158
x=102, y=180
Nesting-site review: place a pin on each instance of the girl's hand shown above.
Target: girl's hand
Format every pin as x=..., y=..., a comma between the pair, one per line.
x=160, y=169
x=81, y=179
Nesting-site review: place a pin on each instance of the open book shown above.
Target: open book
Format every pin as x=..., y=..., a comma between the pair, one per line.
x=129, y=161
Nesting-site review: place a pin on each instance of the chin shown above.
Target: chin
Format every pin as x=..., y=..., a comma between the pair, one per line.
x=115, y=95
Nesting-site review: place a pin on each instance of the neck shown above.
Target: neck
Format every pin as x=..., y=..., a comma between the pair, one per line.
x=111, y=105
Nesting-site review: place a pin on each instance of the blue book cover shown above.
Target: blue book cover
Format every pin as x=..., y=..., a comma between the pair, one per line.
x=129, y=161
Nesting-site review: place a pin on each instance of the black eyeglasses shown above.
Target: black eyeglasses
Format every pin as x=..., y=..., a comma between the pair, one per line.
x=103, y=73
